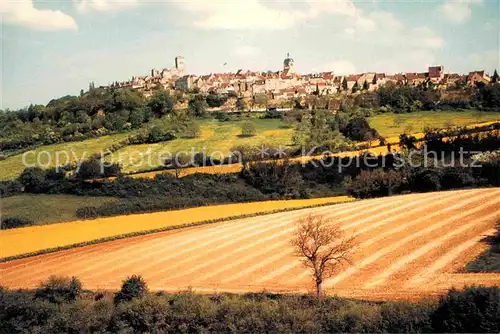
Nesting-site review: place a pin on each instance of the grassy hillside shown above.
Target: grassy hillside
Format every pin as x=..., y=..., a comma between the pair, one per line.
x=43, y=209
x=215, y=136
x=390, y=125
x=13, y=166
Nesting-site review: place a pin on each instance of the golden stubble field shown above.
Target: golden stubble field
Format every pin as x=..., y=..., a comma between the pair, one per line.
x=409, y=247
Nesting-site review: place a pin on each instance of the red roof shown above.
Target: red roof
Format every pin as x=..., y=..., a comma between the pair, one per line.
x=353, y=77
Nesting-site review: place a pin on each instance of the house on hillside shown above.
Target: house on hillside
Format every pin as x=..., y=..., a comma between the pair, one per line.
x=478, y=77
x=415, y=79
x=351, y=80
x=436, y=74
x=185, y=83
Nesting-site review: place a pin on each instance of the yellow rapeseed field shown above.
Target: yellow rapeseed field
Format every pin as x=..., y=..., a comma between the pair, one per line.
x=36, y=238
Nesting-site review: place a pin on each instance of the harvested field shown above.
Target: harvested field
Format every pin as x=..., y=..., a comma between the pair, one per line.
x=26, y=240
x=409, y=247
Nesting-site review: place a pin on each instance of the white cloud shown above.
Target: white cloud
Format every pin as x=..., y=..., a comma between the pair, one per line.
x=424, y=37
x=23, y=13
x=239, y=14
x=457, y=11
x=339, y=67
x=266, y=15
x=488, y=60
x=105, y=5
x=386, y=19
x=246, y=51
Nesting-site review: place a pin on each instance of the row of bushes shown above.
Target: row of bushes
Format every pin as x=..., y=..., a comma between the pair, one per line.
x=60, y=305
x=14, y=222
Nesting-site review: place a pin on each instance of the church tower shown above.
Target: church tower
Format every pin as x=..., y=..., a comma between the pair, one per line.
x=289, y=64
x=179, y=64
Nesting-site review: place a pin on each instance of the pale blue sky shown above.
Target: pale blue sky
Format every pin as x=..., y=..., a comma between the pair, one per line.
x=54, y=48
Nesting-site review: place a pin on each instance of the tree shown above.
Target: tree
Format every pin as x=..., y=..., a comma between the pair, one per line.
x=494, y=78
x=241, y=104
x=366, y=86
x=33, y=179
x=323, y=246
x=355, y=88
x=248, y=129
x=197, y=106
x=161, y=103
x=158, y=134
x=133, y=287
x=90, y=169
x=215, y=100
x=192, y=129
x=58, y=289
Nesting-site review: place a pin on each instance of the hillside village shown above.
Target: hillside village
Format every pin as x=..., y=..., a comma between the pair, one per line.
x=287, y=84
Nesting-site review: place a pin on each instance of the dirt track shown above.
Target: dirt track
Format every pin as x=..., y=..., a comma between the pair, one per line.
x=408, y=247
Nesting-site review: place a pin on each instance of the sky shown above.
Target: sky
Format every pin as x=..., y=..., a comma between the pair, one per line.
x=53, y=48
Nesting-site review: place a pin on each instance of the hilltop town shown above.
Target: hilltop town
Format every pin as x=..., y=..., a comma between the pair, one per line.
x=287, y=84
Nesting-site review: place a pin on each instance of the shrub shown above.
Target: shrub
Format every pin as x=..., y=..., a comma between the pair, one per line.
x=279, y=178
x=13, y=222
x=87, y=212
x=133, y=287
x=89, y=169
x=375, y=183
x=157, y=134
x=426, y=179
x=59, y=289
x=10, y=188
x=358, y=129
x=147, y=315
x=33, y=179
x=474, y=310
x=248, y=129
x=405, y=317
x=192, y=130
x=456, y=177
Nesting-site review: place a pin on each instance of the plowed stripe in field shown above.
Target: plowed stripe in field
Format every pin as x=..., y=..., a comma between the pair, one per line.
x=403, y=261
x=386, y=250
x=463, y=196
x=366, y=229
x=428, y=272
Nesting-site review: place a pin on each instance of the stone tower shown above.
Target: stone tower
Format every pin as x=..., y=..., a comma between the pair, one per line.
x=289, y=64
x=179, y=64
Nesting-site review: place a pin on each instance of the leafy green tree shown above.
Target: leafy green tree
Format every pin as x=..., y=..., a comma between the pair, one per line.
x=216, y=100
x=89, y=169
x=474, y=310
x=133, y=287
x=158, y=134
x=33, y=179
x=366, y=86
x=355, y=87
x=197, y=106
x=494, y=78
x=59, y=289
x=137, y=117
x=161, y=103
x=248, y=129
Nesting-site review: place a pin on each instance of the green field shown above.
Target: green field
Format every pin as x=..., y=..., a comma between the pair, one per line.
x=391, y=125
x=215, y=136
x=46, y=156
x=222, y=136
x=44, y=209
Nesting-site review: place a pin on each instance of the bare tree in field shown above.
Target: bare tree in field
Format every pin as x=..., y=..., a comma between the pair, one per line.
x=323, y=246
